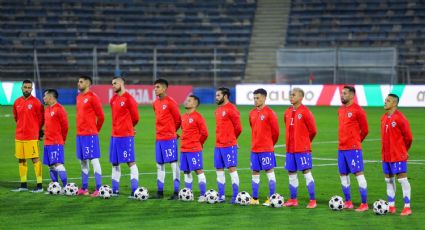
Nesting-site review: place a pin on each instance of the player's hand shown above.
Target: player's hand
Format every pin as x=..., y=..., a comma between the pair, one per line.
x=40, y=134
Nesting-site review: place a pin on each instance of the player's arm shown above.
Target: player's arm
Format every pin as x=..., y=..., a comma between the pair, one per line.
x=407, y=133
x=274, y=126
x=134, y=112
x=40, y=115
x=98, y=110
x=236, y=122
x=311, y=125
x=174, y=110
x=203, y=131
x=15, y=112
x=364, y=129
x=64, y=124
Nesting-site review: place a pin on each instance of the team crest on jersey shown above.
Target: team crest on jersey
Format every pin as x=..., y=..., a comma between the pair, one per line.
x=164, y=107
x=300, y=116
x=52, y=113
x=190, y=120
x=223, y=113
x=393, y=124
x=262, y=117
x=349, y=114
x=29, y=106
x=85, y=100
x=122, y=103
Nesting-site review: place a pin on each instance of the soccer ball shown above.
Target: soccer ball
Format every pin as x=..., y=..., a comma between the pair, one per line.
x=336, y=203
x=212, y=196
x=186, y=194
x=276, y=200
x=141, y=193
x=381, y=207
x=71, y=189
x=105, y=191
x=54, y=188
x=243, y=198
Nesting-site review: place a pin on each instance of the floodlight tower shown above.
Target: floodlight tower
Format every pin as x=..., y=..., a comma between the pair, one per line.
x=117, y=49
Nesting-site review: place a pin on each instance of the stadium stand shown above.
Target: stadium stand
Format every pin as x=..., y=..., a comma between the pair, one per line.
x=362, y=23
x=185, y=34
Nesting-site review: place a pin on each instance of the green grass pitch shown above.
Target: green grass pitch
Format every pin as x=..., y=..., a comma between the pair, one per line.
x=39, y=211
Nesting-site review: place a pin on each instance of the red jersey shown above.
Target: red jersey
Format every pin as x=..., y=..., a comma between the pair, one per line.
x=125, y=115
x=194, y=132
x=90, y=115
x=29, y=117
x=167, y=117
x=228, y=125
x=353, y=127
x=396, y=137
x=56, y=125
x=300, y=129
x=265, y=129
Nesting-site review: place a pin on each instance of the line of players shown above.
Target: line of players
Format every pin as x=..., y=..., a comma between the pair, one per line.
x=300, y=131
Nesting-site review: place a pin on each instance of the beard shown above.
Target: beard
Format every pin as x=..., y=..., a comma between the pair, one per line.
x=26, y=94
x=117, y=90
x=219, y=102
x=343, y=101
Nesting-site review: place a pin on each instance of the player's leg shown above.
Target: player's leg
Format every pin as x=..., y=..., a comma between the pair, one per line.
x=134, y=176
x=230, y=158
x=268, y=161
x=202, y=181
x=38, y=170
x=221, y=179
x=291, y=166
x=60, y=168
x=235, y=183
x=23, y=171
x=160, y=170
x=184, y=166
x=345, y=179
x=309, y=181
x=116, y=169
x=405, y=186
x=391, y=187
x=356, y=167
x=171, y=156
x=97, y=176
x=55, y=154
x=85, y=170
x=176, y=180
x=188, y=180
x=255, y=167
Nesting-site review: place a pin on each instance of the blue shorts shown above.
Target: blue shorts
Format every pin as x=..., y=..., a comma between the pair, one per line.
x=298, y=161
x=121, y=150
x=394, y=168
x=88, y=147
x=263, y=161
x=166, y=151
x=225, y=157
x=53, y=154
x=191, y=161
x=350, y=161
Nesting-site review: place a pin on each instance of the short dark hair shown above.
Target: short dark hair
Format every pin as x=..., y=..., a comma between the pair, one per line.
x=87, y=78
x=26, y=81
x=52, y=92
x=224, y=91
x=119, y=77
x=161, y=81
x=196, y=99
x=261, y=91
x=394, y=96
x=350, y=88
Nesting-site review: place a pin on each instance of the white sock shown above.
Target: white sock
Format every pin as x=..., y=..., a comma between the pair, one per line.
x=293, y=180
x=362, y=181
x=202, y=178
x=176, y=171
x=160, y=172
x=60, y=168
x=235, y=177
x=220, y=177
x=256, y=179
x=345, y=181
x=271, y=176
x=405, y=186
x=308, y=178
x=391, y=188
x=188, y=178
x=96, y=166
x=134, y=172
x=85, y=167
x=116, y=173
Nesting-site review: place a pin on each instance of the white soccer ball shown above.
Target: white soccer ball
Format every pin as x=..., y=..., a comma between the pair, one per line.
x=105, y=191
x=336, y=203
x=141, y=193
x=243, y=198
x=381, y=207
x=54, y=188
x=71, y=189
x=276, y=200
x=212, y=196
x=186, y=194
